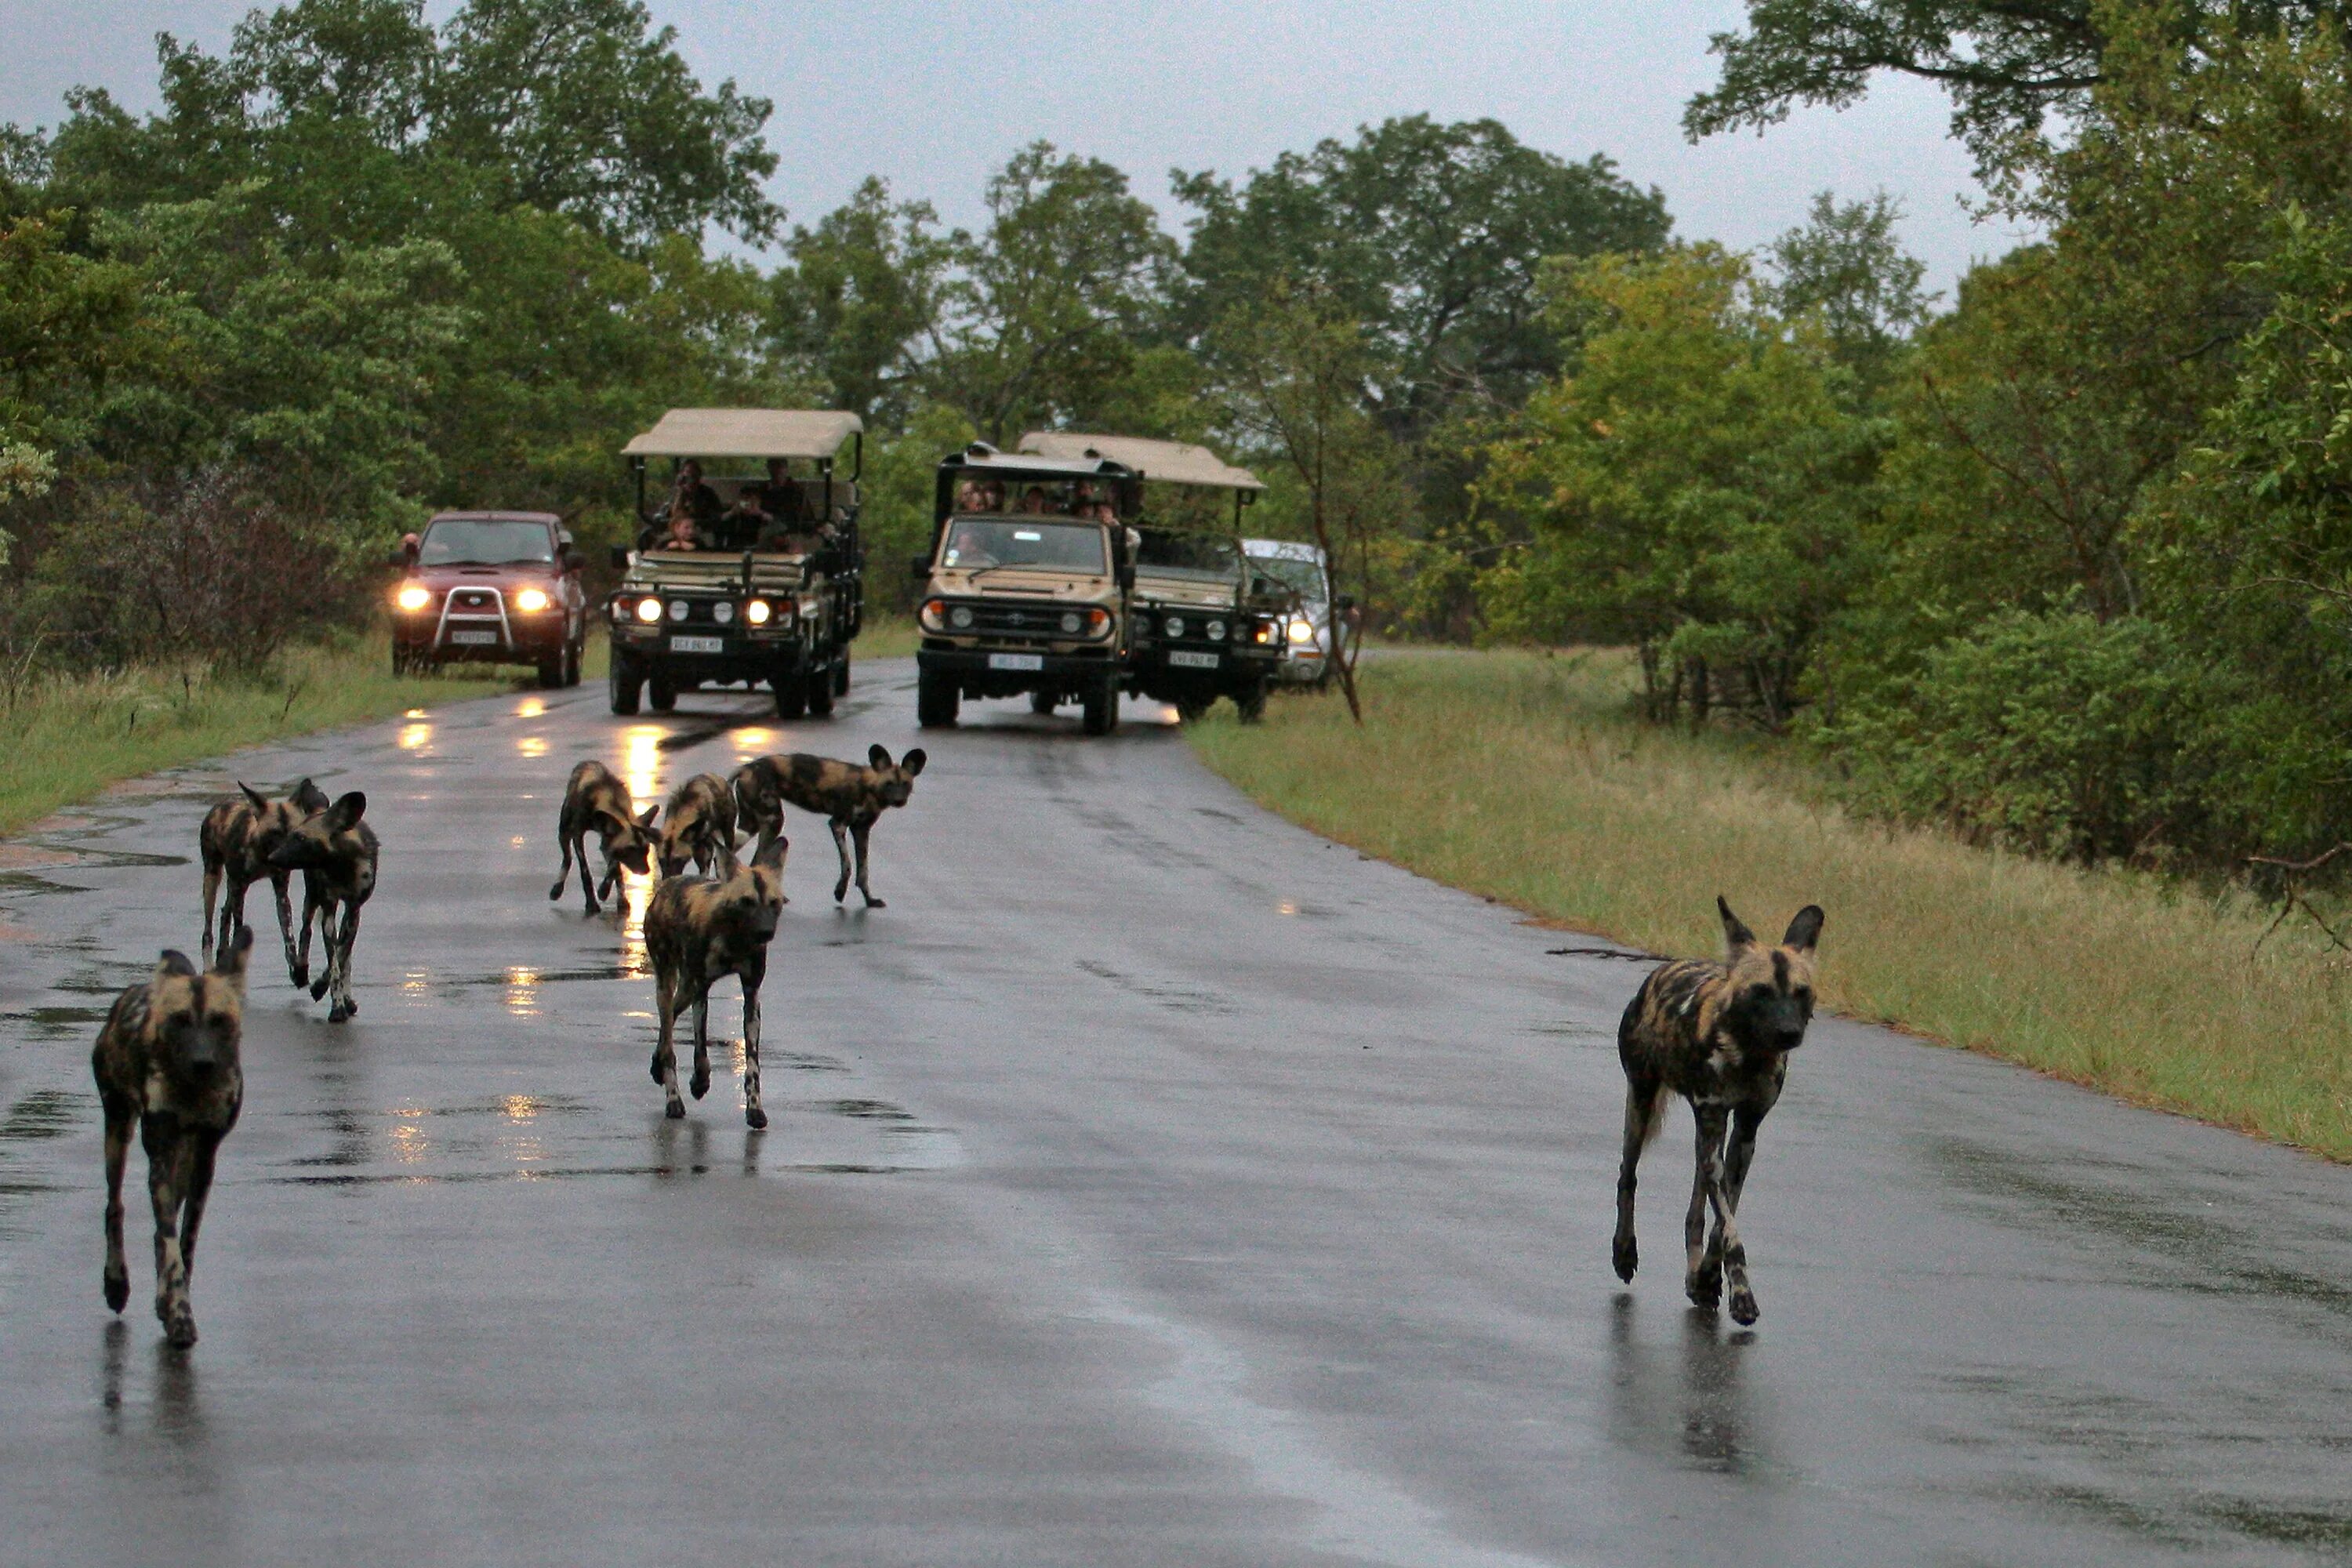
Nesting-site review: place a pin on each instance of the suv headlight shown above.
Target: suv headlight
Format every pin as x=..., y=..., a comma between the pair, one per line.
x=757, y=612
x=414, y=596
x=722, y=611
x=649, y=610
x=1302, y=631
x=960, y=617
x=933, y=615
x=1216, y=631
x=531, y=601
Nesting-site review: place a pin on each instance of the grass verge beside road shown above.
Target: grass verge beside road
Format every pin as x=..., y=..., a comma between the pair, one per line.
x=1525, y=778
x=70, y=737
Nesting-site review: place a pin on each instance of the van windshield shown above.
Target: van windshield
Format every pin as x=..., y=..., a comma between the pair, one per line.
x=1192, y=554
x=1303, y=576
x=477, y=542
x=974, y=542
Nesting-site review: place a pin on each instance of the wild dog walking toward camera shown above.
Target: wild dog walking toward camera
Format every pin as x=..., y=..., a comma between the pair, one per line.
x=1719, y=1035
x=698, y=827
x=166, y=1064
x=596, y=800
x=849, y=796
x=698, y=931
x=235, y=842
x=336, y=852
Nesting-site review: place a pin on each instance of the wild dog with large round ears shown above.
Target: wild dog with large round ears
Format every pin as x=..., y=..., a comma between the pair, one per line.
x=849, y=798
x=166, y=1062
x=1719, y=1035
x=596, y=800
x=337, y=854
x=697, y=932
x=698, y=827
x=235, y=842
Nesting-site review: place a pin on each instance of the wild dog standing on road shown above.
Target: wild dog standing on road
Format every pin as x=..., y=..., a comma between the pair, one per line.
x=236, y=841
x=336, y=853
x=166, y=1061
x=849, y=796
x=596, y=800
x=698, y=931
x=1719, y=1035
x=697, y=827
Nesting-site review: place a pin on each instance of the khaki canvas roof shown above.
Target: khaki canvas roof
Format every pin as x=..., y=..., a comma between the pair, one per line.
x=1169, y=462
x=746, y=433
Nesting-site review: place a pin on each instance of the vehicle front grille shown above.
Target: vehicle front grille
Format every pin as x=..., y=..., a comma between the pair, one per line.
x=1041, y=621
x=472, y=602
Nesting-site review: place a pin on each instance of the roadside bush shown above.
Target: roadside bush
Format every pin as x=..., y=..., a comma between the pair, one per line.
x=2056, y=733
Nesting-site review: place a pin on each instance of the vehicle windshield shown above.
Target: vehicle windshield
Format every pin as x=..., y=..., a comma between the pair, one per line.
x=1193, y=554
x=475, y=541
x=1305, y=576
x=974, y=542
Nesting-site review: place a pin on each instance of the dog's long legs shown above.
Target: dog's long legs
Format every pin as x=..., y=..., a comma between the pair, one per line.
x=1702, y=1284
x=1641, y=1111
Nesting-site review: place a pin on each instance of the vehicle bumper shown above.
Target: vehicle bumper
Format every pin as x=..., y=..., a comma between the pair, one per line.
x=736, y=655
x=463, y=642
x=977, y=676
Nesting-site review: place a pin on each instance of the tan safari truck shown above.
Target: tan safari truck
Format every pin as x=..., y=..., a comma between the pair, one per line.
x=1025, y=585
x=1198, y=626
x=753, y=576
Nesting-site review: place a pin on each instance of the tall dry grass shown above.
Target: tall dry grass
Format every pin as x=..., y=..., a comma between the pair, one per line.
x=1523, y=777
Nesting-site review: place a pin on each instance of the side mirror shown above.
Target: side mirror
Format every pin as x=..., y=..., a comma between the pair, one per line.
x=398, y=560
x=572, y=558
x=620, y=558
x=921, y=567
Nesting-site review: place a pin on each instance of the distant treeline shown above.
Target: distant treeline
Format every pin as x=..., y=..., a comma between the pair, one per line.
x=2063, y=560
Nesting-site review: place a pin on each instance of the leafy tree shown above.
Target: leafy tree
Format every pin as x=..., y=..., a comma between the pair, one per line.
x=1846, y=263
x=864, y=297
x=1053, y=298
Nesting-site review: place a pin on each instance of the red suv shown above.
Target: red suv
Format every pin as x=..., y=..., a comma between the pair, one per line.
x=490, y=587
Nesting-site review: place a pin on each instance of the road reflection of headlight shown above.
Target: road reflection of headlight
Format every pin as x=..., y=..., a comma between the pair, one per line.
x=531, y=601
x=415, y=596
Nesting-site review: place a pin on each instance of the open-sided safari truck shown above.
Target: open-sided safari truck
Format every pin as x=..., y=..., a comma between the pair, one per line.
x=1025, y=585
x=750, y=572
x=1198, y=627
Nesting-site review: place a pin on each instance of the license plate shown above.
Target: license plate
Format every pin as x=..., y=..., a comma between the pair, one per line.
x=1017, y=661
x=697, y=645
x=475, y=639
x=1185, y=659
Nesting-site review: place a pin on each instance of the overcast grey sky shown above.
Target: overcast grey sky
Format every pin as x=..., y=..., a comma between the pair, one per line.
x=934, y=96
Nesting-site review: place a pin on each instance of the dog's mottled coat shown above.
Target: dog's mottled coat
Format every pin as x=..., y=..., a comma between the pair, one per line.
x=596, y=800
x=1718, y=1034
x=699, y=930
x=850, y=799
x=234, y=844
x=698, y=827
x=336, y=853
x=167, y=1064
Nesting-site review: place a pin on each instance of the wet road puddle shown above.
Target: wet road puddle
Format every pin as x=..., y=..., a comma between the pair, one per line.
x=1174, y=998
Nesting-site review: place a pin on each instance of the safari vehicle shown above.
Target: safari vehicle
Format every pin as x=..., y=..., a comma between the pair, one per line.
x=1025, y=585
x=762, y=581
x=490, y=587
x=1197, y=627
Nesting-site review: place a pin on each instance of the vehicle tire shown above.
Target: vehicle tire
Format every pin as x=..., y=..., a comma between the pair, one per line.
x=1100, y=716
x=1043, y=703
x=841, y=676
x=551, y=670
x=791, y=693
x=627, y=683
x=574, y=655
x=1190, y=709
x=820, y=694
x=1252, y=702
x=660, y=695
x=935, y=699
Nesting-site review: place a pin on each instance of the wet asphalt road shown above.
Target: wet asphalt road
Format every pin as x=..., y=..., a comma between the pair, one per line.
x=1150, y=1182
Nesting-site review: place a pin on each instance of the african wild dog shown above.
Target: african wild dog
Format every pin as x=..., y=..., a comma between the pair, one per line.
x=849, y=796
x=697, y=932
x=235, y=842
x=337, y=854
x=1719, y=1035
x=596, y=800
x=697, y=827
x=166, y=1062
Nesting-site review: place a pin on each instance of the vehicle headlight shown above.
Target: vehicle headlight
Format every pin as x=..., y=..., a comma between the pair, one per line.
x=1071, y=621
x=677, y=609
x=1216, y=630
x=960, y=617
x=414, y=596
x=649, y=610
x=1098, y=622
x=1175, y=627
x=1302, y=631
x=933, y=615
x=722, y=611
x=757, y=612
x=531, y=601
